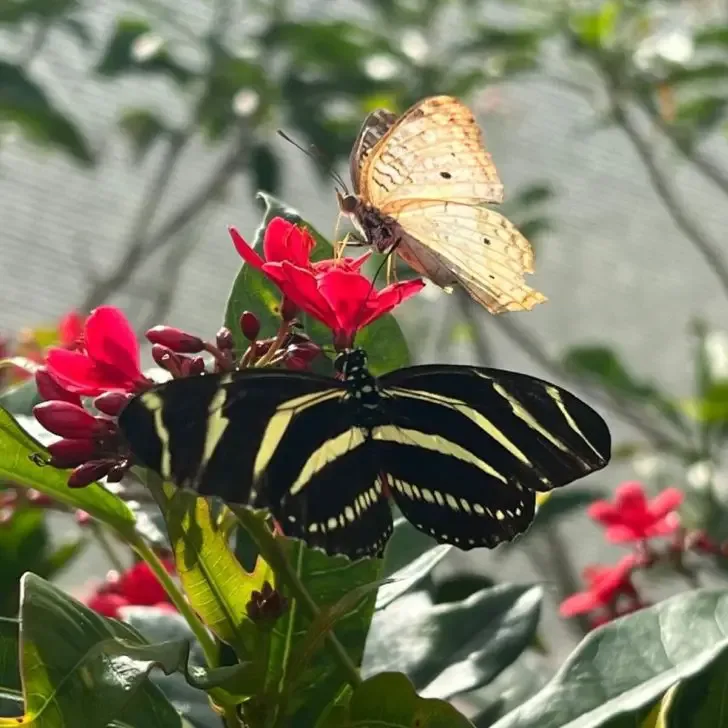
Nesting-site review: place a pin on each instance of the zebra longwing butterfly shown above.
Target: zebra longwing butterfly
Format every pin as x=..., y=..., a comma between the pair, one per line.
x=461, y=450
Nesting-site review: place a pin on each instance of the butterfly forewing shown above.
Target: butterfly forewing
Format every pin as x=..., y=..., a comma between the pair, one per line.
x=434, y=151
x=375, y=126
x=468, y=447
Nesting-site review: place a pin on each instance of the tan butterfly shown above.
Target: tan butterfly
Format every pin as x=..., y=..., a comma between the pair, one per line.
x=420, y=183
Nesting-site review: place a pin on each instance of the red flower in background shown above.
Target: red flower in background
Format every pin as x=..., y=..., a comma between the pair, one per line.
x=333, y=291
x=604, y=585
x=137, y=586
x=107, y=359
x=634, y=518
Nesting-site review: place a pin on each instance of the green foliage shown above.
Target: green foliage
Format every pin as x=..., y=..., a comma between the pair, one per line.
x=25, y=107
x=143, y=128
x=625, y=667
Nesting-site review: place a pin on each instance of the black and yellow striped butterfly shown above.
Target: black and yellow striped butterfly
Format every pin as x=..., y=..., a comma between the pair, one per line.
x=461, y=450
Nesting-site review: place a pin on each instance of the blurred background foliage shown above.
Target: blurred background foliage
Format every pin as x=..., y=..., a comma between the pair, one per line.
x=196, y=91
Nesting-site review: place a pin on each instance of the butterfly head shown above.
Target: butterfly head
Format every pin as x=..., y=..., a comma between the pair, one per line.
x=351, y=363
x=348, y=203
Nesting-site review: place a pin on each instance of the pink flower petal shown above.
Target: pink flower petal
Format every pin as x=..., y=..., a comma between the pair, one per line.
x=245, y=251
x=348, y=294
x=76, y=373
x=285, y=241
x=300, y=286
x=389, y=298
x=604, y=512
x=579, y=603
x=70, y=328
x=110, y=340
x=667, y=501
x=620, y=533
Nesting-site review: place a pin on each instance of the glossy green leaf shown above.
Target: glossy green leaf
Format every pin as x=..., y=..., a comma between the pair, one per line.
x=409, y=576
x=388, y=699
x=25, y=106
x=627, y=665
x=327, y=580
x=215, y=583
x=385, y=345
x=126, y=52
x=79, y=668
x=20, y=399
x=459, y=586
x=143, y=128
x=698, y=701
x=454, y=647
x=17, y=449
x=404, y=546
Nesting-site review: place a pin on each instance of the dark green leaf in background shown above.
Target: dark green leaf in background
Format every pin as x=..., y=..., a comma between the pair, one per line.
x=25, y=106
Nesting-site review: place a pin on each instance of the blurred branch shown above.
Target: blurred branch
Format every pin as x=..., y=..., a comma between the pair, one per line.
x=661, y=184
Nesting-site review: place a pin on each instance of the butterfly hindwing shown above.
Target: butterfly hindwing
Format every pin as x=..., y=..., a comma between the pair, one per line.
x=468, y=447
x=434, y=151
x=479, y=247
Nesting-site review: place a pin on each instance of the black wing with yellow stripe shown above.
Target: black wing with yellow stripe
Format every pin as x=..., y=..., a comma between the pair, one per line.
x=467, y=448
x=461, y=450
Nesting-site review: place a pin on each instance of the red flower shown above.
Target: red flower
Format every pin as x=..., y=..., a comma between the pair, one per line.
x=333, y=291
x=633, y=518
x=137, y=586
x=70, y=330
x=604, y=585
x=107, y=361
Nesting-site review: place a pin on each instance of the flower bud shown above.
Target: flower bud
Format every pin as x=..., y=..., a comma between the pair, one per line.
x=87, y=473
x=117, y=472
x=66, y=419
x=224, y=339
x=288, y=309
x=70, y=453
x=266, y=605
x=299, y=356
x=49, y=388
x=175, y=339
x=112, y=403
x=164, y=357
x=196, y=366
x=250, y=325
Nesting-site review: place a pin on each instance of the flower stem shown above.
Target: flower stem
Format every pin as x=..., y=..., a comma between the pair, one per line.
x=178, y=599
x=270, y=548
x=283, y=332
x=103, y=541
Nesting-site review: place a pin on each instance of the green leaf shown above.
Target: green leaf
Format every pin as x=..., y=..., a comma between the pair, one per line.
x=17, y=450
x=388, y=699
x=700, y=700
x=143, y=128
x=701, y=114
x=265, y=168
x=9, y=655
x=385, y=345
x=627, y=665
x=603, y=366
x=597, y=29
x=410, y=575
x=21, y=399
x=79, y=668
x=404, y=546
x=713, y=71
x=125, y=54
x=24, y=105
x=18, y=11
x=215, y=583
x=327, y=580
x=451, y=648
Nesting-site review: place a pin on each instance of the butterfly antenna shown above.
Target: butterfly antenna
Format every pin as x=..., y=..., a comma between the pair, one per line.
x=314, y=153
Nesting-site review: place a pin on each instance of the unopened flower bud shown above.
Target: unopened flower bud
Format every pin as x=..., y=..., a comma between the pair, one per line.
x=175, y=339
x=66, y=419
x=50, y=389
x=87, y=473
x=299, y=356
x=288, y=309
x=112, y=403
x=224, y=339
x=249, y=325
x=197, y=366
x=164, y=357
x=266, y=605
x=117, y=472
x=71, y=453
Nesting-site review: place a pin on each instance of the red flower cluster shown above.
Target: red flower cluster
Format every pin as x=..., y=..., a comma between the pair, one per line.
x=101, y=358
x=632, y=518
x=333, y=291
x=137, y=586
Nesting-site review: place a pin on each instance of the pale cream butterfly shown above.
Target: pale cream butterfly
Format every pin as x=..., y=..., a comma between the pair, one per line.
x=420, y=183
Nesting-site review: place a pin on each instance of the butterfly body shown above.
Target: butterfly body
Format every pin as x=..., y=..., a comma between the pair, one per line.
x=461, y=450
x=423, y=179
